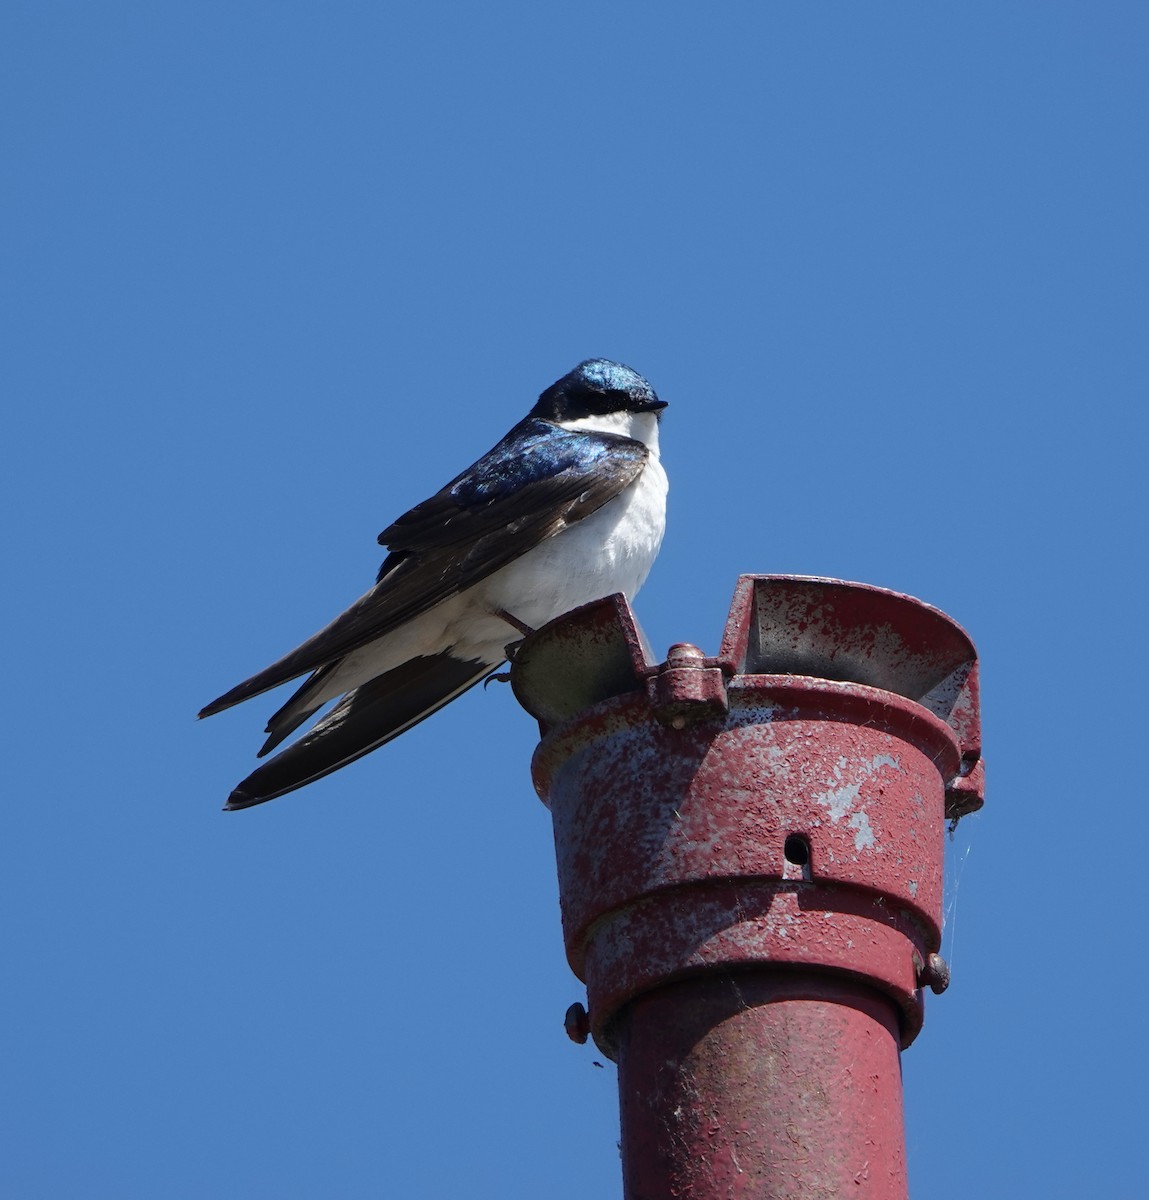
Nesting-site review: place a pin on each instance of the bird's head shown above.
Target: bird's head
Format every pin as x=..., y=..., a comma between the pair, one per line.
x=596, y=388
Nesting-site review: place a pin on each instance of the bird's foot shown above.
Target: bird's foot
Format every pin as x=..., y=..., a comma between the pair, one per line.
x=497, y=677
x=511, y=649
x=514, y=622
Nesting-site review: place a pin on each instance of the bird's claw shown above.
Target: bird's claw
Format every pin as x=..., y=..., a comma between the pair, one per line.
x=498, y=677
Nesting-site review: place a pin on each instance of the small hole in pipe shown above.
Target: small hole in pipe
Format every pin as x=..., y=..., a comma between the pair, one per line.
x=797, y=850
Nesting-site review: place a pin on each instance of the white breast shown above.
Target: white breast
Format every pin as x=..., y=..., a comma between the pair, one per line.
x=612, y=550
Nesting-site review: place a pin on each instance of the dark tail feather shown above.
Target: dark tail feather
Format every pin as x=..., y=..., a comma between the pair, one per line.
x=361, y=722
x=297, y=710
x=299, y=662
x=281, y=730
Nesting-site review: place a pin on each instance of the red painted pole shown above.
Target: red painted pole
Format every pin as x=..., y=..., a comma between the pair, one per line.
x=750, y=866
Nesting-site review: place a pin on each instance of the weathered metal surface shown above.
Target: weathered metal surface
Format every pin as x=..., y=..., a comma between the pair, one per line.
x=773, y=815
x=829, y=629
x=670, y=842
x=591, y=654
x=757, y=1086
x=688, y=687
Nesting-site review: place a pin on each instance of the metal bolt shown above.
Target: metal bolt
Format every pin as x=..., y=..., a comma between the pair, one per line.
x=577, y=1023
x=934, y=974
x=684, y=654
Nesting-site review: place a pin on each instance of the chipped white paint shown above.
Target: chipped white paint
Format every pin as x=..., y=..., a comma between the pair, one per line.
x=841, y=801
x=863, y=834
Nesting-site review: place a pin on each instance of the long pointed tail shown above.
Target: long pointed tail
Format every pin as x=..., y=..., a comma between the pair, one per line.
x=363, y=720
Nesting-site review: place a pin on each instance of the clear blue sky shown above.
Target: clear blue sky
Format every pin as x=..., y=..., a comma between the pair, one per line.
x=274, y=272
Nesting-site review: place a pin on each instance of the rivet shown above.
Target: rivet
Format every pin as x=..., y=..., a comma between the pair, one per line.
x=577, y=1023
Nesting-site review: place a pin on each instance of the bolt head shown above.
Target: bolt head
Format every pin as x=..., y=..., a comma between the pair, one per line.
x=577, y=1023
x=936, y=974
x=683, y=654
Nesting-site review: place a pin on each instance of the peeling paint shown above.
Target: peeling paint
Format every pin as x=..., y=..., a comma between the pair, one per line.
x=864, y=835
x=840, y=802
x=671, y=842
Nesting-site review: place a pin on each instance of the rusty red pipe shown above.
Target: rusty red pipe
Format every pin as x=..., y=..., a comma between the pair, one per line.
x=750, y=865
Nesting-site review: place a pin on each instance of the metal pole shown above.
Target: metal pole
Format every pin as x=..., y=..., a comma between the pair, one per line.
x=750, y=866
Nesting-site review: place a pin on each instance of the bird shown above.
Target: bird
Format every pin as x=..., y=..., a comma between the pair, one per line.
x=569, y=507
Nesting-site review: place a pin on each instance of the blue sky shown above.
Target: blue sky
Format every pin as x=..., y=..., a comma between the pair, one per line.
x=274, y=272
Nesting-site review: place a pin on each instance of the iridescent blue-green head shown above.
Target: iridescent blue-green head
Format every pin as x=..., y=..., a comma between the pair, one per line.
x=597, y=387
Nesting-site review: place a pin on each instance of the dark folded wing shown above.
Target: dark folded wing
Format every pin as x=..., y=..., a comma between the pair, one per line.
x=362, y=721
x=539, y=480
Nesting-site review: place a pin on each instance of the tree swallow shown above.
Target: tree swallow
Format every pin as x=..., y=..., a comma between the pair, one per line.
x=569, y=507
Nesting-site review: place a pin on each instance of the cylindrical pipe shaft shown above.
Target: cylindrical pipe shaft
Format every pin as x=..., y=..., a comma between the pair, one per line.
x=750, y=866
x=761, y=1085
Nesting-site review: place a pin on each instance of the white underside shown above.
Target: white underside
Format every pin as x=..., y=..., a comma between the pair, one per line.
x=612, y=550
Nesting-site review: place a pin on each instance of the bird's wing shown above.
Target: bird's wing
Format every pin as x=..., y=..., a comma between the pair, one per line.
x=361, y=722
x=539, y=480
